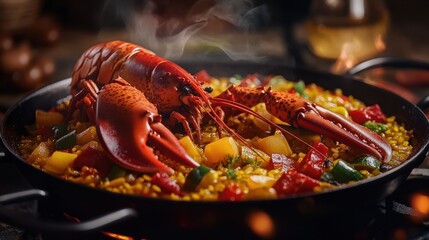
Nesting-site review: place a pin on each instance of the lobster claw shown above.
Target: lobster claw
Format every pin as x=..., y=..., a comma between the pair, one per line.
x=298, y=112
x=320, y=120
x=130, y=130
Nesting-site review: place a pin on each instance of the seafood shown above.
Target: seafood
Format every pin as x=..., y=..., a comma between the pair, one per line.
x=137, y=88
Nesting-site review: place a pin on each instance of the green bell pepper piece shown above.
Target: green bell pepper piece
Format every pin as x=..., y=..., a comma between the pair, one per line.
x=368, y=162
x=327, y=177
x=194, y=177
x=66, y=141
x=59, y=131
x=375, y=126
x=344, y=172
x=116, y=172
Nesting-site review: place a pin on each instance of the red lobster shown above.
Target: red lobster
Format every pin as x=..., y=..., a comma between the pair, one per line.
x=136, y=85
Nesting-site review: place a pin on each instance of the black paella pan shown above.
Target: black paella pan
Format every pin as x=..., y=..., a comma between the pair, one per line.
x=308, y=215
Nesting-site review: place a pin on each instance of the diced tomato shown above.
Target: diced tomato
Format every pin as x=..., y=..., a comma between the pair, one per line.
x=231, y=193
x=370, y=113
x=250, y=80
x=203, y=76
x=313, y=163
x=266, y=80
x=94, y=158
x=53, y=109
x=292, y=182
x=168, y=185
x=344, y=97
x=281, y=162
x=45, y=131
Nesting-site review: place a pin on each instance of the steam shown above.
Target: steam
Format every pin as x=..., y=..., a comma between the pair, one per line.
x=169, y=27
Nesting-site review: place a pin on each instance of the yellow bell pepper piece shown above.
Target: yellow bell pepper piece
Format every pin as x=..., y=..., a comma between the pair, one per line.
x=190, y=148
x=209, y=179
x=216, y=151
x=48, y=119
x=59, y=161
x=276, y=143
x=259, y=181
x=86, y=136
x=40, y=153
x=340, y=110
x=255, y=154
x=261, y=109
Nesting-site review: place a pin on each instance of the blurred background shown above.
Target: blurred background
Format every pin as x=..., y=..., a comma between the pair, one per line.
x=40, y=40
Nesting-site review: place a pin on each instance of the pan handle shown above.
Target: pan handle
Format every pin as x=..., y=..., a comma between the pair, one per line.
x=424, y=103
x=396, y=62
x=29, y=222
x=388, y=62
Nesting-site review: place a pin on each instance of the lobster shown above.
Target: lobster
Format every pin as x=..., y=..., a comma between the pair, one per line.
x=126, y=89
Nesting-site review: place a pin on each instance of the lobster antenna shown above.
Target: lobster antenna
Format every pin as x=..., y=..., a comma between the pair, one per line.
x=218, y=120
x=246, y=109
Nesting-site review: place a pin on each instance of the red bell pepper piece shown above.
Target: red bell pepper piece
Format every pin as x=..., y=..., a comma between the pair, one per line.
x=231, y=193
x=168, y=185
x=250, y=80
x=203, y=76
x=45, y=131
x=281, y=162
x=292, y=182
x=370, y=113
x=344, y=97
x=313, y=163
x=93, y=158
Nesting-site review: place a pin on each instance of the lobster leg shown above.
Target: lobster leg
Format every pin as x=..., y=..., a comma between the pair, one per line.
x=300, y=113
x=87, y=96
x=130, y=130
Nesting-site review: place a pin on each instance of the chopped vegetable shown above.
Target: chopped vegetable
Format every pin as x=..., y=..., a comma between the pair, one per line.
x=44, y=131
x=258, y=181
x=261, y=193
x=299, y=88
x=376, y=127
x=208, y=179
x=216, y=151
x=230, y=163
x=262, y=125
x=194, y=177
x=190, y=148
x=340, y=110
x=86, y=136
x=344, y=172
x=254, y=156
x=276, y=143
x=40, y=153
x=327, y=177
x=313, y=163
x=66, y=141
x=168, y=185
x=48, y=119
x=94, y=158
x=294, y=182
x=59, y=161
x=203, y=76
x=370, y=113
x=368, y=162
x=59, y=131
x=231, y=193
x=281, y=162
x=116, y=172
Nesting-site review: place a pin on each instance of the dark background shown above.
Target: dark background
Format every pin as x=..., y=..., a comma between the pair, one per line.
x=82, y=23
